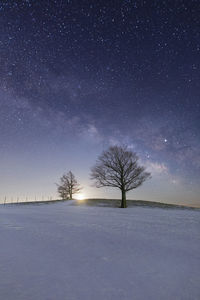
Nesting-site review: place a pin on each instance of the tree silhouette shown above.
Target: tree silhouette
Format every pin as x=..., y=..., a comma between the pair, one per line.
x=118, y=167
x=68, y=186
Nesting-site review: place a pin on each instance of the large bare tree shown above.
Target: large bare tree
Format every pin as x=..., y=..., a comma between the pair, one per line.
x=68, y=186
x=118, y=167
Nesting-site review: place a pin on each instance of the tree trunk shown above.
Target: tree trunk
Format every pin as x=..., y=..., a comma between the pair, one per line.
x=123, y=203
x=70, y=196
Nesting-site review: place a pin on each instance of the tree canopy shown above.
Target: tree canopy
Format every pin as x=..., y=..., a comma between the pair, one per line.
x=118, y=167
x=68, y=186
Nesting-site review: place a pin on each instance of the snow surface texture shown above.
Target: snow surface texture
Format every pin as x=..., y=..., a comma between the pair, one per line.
x=60, y=251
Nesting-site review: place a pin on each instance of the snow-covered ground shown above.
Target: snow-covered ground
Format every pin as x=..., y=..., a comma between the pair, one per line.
x=65, y=252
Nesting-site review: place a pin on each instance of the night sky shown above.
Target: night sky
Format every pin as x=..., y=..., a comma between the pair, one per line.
x=79, y=76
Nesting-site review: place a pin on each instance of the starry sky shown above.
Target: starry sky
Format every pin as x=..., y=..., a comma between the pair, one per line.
x=77, y=76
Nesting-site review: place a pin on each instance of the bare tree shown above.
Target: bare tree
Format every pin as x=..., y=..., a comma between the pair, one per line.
x=118, y=167
x=68, y=186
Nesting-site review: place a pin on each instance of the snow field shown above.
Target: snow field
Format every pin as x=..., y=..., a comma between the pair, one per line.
x=60, y=251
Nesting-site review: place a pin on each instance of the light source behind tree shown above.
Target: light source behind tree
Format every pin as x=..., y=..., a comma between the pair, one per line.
x=68, y=186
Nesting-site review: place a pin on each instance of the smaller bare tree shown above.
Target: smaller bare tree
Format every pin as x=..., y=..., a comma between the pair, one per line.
x=118, y=167
x=68, y=186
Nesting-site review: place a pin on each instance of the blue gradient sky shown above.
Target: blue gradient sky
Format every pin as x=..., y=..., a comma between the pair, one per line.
x=79, y=76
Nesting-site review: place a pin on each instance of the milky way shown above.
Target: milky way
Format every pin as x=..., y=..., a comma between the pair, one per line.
x=78, y=76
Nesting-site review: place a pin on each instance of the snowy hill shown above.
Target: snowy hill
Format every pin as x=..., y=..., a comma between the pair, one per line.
x=63, y=251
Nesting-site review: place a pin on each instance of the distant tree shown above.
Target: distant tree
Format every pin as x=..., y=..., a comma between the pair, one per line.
x=68, y=186
x=118, y=167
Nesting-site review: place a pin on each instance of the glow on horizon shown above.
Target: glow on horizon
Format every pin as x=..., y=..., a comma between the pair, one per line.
x=80, y=197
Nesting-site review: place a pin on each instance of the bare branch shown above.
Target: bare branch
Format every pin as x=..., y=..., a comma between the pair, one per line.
x=68, y=186
x=118, y=167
